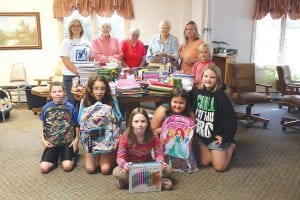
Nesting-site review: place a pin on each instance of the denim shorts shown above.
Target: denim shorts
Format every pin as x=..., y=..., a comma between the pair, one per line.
x=211, y=144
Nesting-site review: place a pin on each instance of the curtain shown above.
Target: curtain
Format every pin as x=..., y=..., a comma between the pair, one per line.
x=104, y=8
x=294, y=12
x=277, y=9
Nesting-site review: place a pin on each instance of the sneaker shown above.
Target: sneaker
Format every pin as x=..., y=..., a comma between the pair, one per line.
x=166, y=184
x=121, y=184
x=75, y=158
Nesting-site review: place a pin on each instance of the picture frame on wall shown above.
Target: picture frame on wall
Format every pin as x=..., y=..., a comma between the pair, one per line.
x=20, y=30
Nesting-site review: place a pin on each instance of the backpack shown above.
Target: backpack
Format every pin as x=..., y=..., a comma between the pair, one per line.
x=176, y=136
x=98, y=129
x=58, y=125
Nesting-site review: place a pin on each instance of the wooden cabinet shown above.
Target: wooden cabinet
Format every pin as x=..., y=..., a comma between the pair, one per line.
x=222, y=62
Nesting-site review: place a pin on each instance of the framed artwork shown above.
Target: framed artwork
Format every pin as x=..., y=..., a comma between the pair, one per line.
x=20, y=30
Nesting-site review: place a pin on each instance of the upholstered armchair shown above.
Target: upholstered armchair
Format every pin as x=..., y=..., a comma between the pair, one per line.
x=284, y=82
x=293, y=103
x=242, y=90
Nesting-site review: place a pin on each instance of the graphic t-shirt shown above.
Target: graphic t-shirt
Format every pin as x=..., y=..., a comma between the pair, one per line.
x=205, y=110
x=78, y=50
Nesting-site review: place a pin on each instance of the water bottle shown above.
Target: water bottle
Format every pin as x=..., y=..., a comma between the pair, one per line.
x=169, y=68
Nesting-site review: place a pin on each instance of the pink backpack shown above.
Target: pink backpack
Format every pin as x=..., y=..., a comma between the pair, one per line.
x=176, y=136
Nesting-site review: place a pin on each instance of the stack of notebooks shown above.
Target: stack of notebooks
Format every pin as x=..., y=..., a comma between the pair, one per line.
x=129, y=88
x=150, y=74
x=86, y=69
x=158, y=88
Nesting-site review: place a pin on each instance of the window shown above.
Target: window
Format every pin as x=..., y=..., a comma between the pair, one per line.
x=85, y=21
x=116, y=21
x=277, y=42
x=117, y=24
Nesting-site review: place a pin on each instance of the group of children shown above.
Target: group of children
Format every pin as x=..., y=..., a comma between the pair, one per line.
x=207, y=105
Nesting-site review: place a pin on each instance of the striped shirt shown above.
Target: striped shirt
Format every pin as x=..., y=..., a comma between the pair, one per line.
x=139, y=153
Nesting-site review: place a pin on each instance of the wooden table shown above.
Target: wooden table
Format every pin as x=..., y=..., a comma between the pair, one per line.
x=130, y=102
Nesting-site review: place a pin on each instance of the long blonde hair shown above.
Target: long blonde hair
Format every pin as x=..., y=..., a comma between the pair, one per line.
x=217, y=71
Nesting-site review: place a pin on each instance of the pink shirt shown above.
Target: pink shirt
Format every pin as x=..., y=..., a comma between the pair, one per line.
x=104, y=47
x=133, y=55
x=139, y=153
x=198, y=70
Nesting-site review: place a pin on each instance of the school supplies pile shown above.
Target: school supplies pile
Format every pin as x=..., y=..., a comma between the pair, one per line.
x=98, y=129
x=129, y=87
x=145, y=177
x=110, y=73
x=187, y=80
x=58, y=126
x=150, y=75
x=158, y=88
x=176, y=137
x=86, y=69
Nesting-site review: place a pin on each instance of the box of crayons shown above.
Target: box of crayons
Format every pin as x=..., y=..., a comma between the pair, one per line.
x=145, y=177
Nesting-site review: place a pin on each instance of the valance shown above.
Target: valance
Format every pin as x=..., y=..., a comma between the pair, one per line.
x=104, y=8
x=277, y=9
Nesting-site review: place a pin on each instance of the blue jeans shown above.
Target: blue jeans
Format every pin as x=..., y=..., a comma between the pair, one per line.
x=67, y=80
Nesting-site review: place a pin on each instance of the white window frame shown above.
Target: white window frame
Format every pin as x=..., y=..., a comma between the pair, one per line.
x=281, y=48
x=94, y=25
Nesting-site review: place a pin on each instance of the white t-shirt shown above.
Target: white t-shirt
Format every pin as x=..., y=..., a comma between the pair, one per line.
x=78, y=50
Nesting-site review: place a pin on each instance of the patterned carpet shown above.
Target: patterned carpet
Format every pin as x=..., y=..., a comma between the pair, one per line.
x=266, y=166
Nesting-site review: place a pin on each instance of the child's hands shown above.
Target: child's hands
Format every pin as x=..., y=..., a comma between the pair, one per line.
x=218, y=139
x=165, y=165
x=47, y=144
x=74, y=144
x=127, y=166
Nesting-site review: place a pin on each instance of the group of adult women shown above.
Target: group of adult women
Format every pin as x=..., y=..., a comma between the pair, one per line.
x=163, y=47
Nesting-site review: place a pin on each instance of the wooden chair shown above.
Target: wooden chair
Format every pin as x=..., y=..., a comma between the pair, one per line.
x=284, y=81
x=42, y=90
x=242, y=90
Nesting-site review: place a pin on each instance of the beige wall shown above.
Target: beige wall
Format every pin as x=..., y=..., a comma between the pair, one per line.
x=40, y=63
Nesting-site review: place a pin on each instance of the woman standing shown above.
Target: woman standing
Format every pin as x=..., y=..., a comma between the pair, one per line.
x=133, y=50
x=105, y=47
x=163, y=47
x=74, y=49
x=188, y=50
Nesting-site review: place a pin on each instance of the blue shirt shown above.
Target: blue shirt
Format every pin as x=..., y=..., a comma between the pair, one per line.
x=171, y=46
